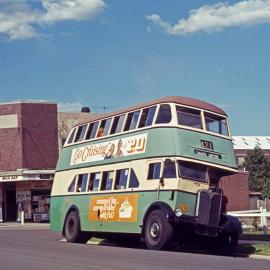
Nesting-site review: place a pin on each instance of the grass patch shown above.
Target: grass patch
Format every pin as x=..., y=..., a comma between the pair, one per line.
x=260, y=249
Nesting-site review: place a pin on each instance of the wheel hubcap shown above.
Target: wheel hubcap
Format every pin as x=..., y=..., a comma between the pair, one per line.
x=155, y=230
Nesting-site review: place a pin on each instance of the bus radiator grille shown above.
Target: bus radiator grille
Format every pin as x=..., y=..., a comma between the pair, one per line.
x=208, y=212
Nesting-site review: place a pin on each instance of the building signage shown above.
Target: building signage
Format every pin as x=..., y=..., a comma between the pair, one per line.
x=28, y=177
x=8, y=121
x=117, y=208
x=117, y=148
x=10, y=177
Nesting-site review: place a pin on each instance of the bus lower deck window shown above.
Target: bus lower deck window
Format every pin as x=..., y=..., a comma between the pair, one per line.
x=94, y=181
x=154, y=171
x=107, y=180
x=71, y=187
x=121, y=179
x=169, y=170
x=193, y=171
x=133, y=181
x=82, y=182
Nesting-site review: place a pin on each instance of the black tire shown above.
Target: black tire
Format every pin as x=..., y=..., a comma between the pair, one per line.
x=72, y=229
x=227, y=243
x=231, y=244
x=158, y=231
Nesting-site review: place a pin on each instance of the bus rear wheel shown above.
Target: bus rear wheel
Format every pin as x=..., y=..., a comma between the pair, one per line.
x=158, y=231
x=73, y=231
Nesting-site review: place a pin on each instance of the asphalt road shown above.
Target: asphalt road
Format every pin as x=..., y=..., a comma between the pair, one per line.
x=43, y=250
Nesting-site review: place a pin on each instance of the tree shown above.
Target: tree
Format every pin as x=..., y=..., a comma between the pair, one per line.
x=258, y=166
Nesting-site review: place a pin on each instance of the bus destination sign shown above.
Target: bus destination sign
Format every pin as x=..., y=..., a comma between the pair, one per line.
x=207, y=154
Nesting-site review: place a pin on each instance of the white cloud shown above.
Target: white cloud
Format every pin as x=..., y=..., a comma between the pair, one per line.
x=209, y=18
x=21, y=21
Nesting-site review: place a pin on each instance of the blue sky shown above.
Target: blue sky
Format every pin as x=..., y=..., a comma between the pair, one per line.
x=116, y=53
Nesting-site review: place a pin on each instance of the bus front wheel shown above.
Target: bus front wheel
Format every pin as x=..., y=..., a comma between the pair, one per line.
x=158, y=231
x=72, y=229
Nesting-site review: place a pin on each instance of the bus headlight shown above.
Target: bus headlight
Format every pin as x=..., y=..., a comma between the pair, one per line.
x=178, y=212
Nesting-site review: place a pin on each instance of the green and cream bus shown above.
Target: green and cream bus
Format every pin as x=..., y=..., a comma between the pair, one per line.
x=152, y=171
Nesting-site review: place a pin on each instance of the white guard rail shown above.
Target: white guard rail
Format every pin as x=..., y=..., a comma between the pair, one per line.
x=261, y=213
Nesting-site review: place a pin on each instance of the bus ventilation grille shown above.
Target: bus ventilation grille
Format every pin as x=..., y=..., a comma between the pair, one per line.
x=208, y=212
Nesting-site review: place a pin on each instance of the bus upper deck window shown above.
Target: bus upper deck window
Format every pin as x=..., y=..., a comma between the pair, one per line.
x=169, y=170
x=80, y=133
x=92, y=130
x=71, y=137
x=117, y=124
x=132, y=120
x=216, y=124
x=105, y=125
x=154, y=171
x=189, y=117
x=164, y=114
x=147, y=117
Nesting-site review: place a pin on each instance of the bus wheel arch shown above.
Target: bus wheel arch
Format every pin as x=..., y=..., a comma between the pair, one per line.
x=157, y=229
x=72, y=227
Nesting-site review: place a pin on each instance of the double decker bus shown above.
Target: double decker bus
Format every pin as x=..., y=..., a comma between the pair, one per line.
x=151, y=171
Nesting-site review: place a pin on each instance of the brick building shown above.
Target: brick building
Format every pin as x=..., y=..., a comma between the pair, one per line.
x=28, y=156
x=235, y=188
x=31, y=136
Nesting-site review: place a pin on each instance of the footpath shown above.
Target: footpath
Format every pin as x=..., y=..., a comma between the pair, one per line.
x=25, y=226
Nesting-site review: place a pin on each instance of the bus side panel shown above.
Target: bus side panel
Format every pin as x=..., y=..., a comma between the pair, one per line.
x=60, y=206
x=186, y=201
x=179, y=142
x=56, y=213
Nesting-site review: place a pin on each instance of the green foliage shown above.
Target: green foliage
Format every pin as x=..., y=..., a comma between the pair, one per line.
x=258, y=166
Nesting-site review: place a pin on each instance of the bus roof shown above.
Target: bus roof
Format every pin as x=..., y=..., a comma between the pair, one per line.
x=170, y=99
